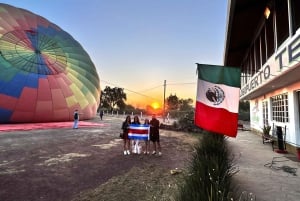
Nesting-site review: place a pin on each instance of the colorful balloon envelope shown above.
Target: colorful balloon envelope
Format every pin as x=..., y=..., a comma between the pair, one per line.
x=45, y=74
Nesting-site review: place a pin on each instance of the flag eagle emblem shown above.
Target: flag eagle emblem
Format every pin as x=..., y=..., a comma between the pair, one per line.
x=215, y=94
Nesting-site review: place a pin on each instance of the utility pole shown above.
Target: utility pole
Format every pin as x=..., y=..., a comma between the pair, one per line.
x=164, y=112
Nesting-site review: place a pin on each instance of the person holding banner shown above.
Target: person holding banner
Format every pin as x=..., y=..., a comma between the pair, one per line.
x=136, y=142
x=125, y=127
x=138, y=132
x=147, y=147
x=154, y=135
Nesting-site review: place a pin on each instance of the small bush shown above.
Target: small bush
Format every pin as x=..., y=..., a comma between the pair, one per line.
x=210, y=171
x=186, y=123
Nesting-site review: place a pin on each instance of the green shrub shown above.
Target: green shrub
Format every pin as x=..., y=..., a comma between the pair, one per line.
x=186, y=123
x=210, y=171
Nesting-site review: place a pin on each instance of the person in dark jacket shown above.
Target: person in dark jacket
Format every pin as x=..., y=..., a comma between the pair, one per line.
x=101, y=114
x=125, y=128
x=154, y=135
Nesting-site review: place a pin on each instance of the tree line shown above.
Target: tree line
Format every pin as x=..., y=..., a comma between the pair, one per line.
x=114, y=99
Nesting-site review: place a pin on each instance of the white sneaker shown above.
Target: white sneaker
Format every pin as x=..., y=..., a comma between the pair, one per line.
x=154, y=152
x=125, y=153
x=128, y=152
x=159, y=153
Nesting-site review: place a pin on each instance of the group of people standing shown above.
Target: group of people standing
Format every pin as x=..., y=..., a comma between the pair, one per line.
x=154, y=136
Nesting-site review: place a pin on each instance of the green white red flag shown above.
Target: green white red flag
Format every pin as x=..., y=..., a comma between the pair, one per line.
x=217, y=101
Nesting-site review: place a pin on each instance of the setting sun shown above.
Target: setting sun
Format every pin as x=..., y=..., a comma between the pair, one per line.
x=155, y=105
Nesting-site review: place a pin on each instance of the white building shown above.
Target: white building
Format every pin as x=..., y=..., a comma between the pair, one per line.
x=263, y=39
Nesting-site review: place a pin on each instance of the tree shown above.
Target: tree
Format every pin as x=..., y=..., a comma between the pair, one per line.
x=185, y=104
x=173, y=102
x=179, y=107
x=112, y=98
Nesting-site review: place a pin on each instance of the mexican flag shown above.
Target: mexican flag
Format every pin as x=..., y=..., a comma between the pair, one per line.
x=217, y=101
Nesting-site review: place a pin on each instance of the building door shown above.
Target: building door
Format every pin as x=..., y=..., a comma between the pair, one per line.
x=297, y=119
x=298, y=115
x=265, y=113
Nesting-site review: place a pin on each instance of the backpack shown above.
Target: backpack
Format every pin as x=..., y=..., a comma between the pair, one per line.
x=76, y=115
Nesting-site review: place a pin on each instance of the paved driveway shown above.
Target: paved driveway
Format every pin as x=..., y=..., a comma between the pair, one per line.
x=277, y=181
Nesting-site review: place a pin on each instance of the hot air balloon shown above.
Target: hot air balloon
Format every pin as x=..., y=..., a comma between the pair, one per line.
x=45, y=74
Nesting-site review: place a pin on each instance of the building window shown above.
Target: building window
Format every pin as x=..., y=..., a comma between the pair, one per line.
x=295, y=4
x=263, y=46
x=252, y=61
x=265, y=112
x=270, y=35
x=257, y=54
x=280, y=107
x=282, y=21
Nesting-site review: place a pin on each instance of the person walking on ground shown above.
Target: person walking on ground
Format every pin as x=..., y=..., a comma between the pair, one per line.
x=154, y=135
x=76, y=119
x=147, y=147
x=125, y=128
x=101, y=114
x=136, y=142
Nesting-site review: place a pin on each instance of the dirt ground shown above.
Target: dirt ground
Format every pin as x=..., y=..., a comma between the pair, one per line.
x=87, y=164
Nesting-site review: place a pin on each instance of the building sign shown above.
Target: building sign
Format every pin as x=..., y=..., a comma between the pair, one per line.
x=283, y=58
x=256, y=80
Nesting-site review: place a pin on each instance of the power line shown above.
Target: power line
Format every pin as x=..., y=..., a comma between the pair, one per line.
x=152, y=88
x=139, y=93
x=182, y=83
x=130, y=90
x=179, y=83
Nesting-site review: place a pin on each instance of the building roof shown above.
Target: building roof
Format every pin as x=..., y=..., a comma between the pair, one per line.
x=243, y=19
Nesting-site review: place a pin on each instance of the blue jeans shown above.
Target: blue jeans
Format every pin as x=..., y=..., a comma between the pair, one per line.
x=75, y=123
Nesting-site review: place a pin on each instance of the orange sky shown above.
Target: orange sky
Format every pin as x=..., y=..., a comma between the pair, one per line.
x=143, y=99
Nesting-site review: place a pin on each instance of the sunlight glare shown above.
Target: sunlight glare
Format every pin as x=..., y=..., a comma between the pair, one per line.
x=155, y=105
